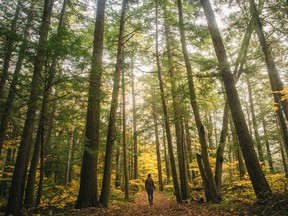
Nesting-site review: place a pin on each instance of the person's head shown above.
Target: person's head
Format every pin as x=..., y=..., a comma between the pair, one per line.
x=149, y=175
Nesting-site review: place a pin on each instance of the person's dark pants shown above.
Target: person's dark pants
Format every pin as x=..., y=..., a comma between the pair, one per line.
x=150, y=195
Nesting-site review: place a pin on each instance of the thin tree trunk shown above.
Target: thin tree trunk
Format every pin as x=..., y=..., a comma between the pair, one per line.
x=166, y=156
x=88, y=196
x=8, y=107
x=259, y=182
x=269, y=156
x=221, y=147
x=176, y=110
x=166, y=117
x=125, y=149
x=211, y=189
x=69, y=156
x=8, y=50
x=159, y=164
x=43, y=119
x=7, y=168
x=254, y=122
x=282, y=149
x=135, y=145
x=104, y=197
x=18, y=180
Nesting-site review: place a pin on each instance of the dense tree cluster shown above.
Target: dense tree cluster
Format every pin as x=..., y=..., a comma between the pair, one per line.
x=96, y=94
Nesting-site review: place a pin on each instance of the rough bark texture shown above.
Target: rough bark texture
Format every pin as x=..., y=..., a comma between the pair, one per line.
x=87, y=196
x=259, y=182
x=18, y=180
x=104, y=197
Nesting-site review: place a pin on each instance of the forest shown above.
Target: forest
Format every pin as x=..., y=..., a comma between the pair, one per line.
x=97, y=94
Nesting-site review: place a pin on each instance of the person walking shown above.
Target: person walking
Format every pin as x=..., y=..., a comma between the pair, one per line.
x=150, y=187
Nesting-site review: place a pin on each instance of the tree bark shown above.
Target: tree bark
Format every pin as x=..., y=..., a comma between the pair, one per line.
x=11, y=95
x=259, y=182
x=135, y=145
x=104, y=197
x=166, y=117
x=176, y=110
x=18, y=180
x=254, y=122
x=159, y=164
x=125, y=149
x=8, y=50
x=87, y=196
x=275, y=80
x=211, y=188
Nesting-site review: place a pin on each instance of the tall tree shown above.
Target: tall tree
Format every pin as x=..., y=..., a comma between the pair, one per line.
x=104, y=197
x=8, y=49
x=166, y=117
x=8, y=106
x=212, y=193
x=135, y=140
x=159, y=164
x=87, y=196
x=176, y=107
x=275, y=80
x=125, y=148
x=259, y=182
x=15, y=199
x=254, y=121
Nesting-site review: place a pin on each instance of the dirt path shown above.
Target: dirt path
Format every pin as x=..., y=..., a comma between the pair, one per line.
x=163, y=205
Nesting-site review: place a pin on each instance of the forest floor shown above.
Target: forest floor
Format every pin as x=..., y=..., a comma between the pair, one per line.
x=163, y=205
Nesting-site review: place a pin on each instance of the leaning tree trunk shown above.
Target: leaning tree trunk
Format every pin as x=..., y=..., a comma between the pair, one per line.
x=87, y=196
x=15, y=199
x=259, y=182
x=104, y=197
x=166, y=117
x=275, y=80
x=211, y=190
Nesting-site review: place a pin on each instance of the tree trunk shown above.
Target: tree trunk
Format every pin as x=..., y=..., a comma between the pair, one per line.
x=269, y=156
x=104, y=198
x=7, y=168
x=8, y=50
x=8, y=107
x=166, y=117
x=211, y=188
x=176, y=110
x=275, y=81
x=254, y=122
x=135, y=145
x=87, y=196
x=125, y=149
x=15, y=195
x=166, y=156
x=221, y=147
x=259, y=182
x=159, y=164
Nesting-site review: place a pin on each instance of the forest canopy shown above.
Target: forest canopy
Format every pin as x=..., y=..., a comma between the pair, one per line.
x=94, y=95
